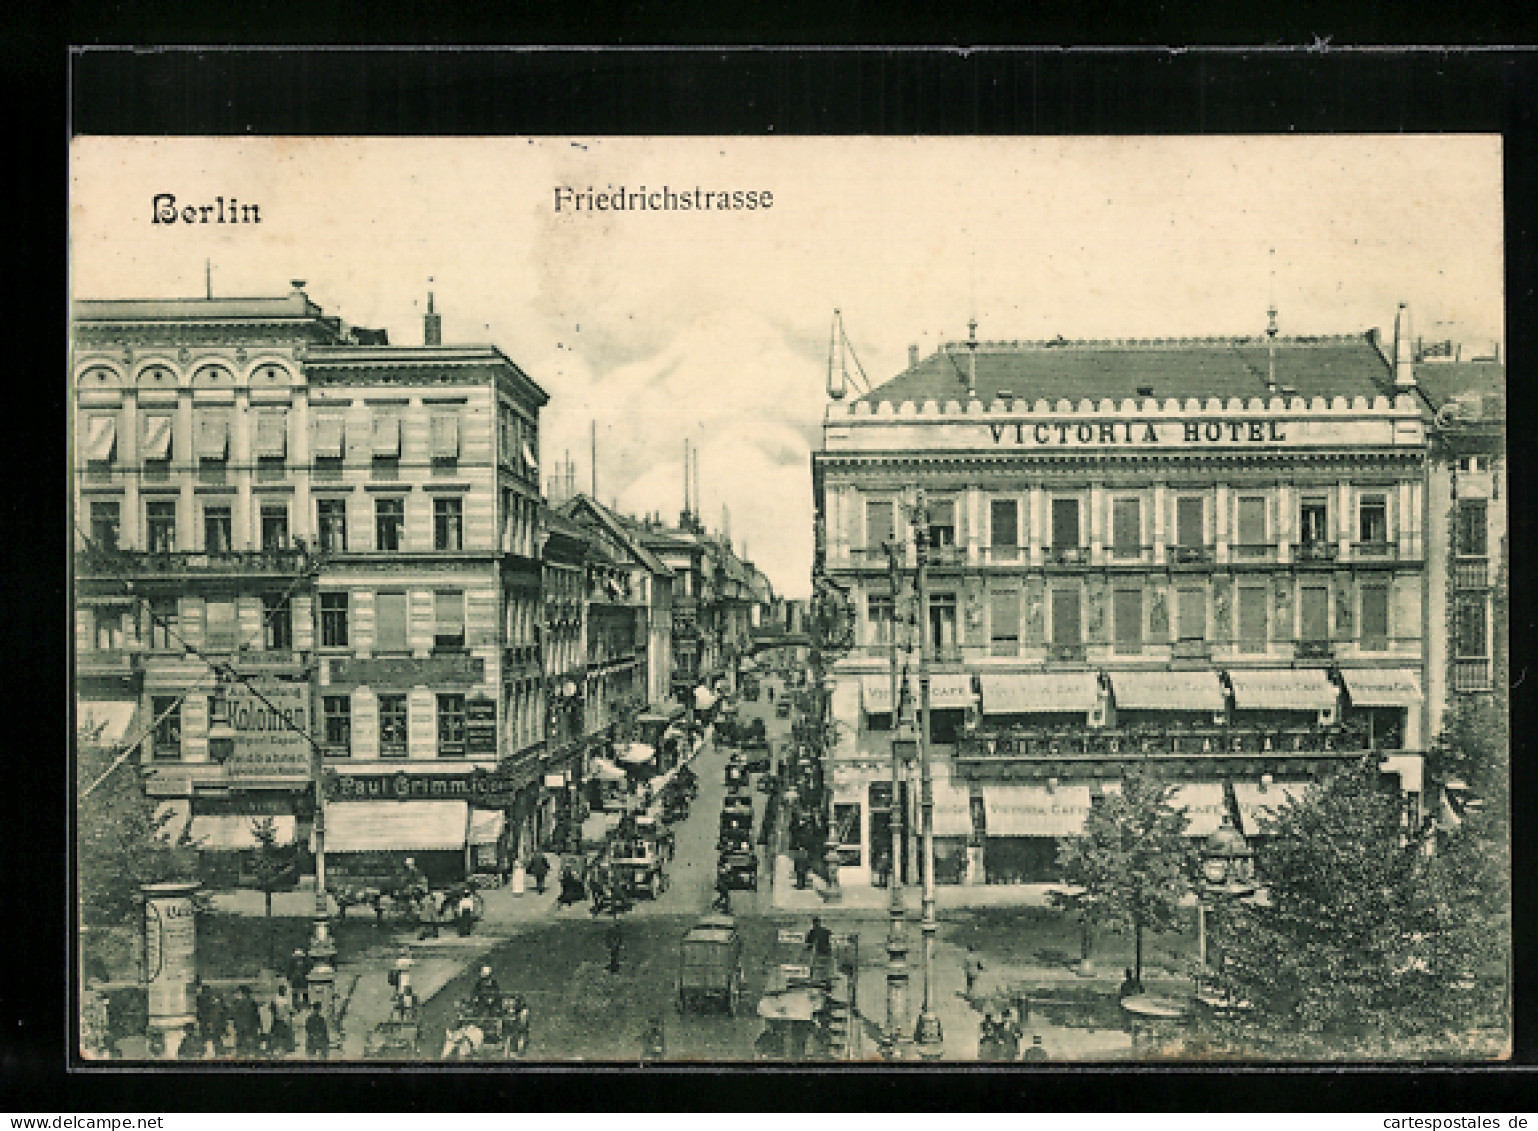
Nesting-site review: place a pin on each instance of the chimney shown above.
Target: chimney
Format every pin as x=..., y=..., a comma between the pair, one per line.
x=972, y=357
x=1404, y=365
x=913, y=356
x=434, y=324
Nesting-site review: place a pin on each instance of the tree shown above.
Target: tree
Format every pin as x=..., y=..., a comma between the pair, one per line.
x=1131, y=865
x=271, y=862
x=1357, y=947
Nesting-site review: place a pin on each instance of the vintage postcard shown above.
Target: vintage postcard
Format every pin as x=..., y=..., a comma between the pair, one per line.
x=815, y=600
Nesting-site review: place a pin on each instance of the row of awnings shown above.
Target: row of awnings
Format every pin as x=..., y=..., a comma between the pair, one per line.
x=211, y=436
x=1060, y=811
x=1285, y=689
x=352, y=826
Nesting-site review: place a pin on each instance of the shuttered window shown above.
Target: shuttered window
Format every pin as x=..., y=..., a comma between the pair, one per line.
x=1127, y=608
x=1127, y=528
x=1065, y=616
x=1190, y=522
x=1193, y=614
x=1252, y=618
x=1004, y=523
x=1375, y=617
x=1004, y=622
x=390, y=622
x=1314, y=614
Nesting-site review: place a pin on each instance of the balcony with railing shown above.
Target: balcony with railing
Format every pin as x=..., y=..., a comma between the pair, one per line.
x=1316, y=551
x=1189, y=555
x=1067, y=555
x=1066, y=744
x=289, y=562
x=1471, y=573
x=1374, y=549
x=1471, y=675
x=1069, y=653
x=1252, y=551
x=520, y=656
x=1314, y=649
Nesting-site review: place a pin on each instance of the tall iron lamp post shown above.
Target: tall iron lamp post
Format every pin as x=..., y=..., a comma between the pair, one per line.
x=896, y=942
x=930, y=1037
x=1228, y=872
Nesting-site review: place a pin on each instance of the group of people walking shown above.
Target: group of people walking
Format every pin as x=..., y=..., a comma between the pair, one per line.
x=247, y=1029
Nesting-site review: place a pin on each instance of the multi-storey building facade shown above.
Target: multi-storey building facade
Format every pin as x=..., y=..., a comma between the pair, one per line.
x=1207, y=553
x=696, y=637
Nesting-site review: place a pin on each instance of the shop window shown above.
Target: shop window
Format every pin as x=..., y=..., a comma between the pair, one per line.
x=217, y=529
x=1253, y=610
x=1127, y=609
x=1065, y=525
x=942, y=523
x=277, y=622
x=274, y=526
x=390, y=622
x=393, y=718
x=167, y=712
x=331, y=524
x=448, y=523
x=333, y=620
x=880, y=526
x=160, y=527
x=1004, y=623
x=449, y=619
x=1473, y=528
x=336, y=725
x=106, y=522
x=1126, y=528
x=1004, y=524
x=1375, y=618
x=451, y=726
x=389, y=524
x=880, y=611
x=1314, y=522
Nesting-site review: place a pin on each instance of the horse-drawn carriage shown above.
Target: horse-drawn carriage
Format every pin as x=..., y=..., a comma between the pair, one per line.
x=391, y=891
x=488, y=1029
x=738, y=867
x=710, y=965
x=637, y=864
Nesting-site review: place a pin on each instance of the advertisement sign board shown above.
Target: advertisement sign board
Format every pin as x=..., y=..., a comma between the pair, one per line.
x=267, y=723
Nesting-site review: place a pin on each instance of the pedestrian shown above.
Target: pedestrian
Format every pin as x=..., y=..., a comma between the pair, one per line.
x=191, y=1047
x=1009, y=1036
x=299, y=975
x=819, y=946
x=247, y=1020
x=723, y=900
x=207, y=1011
x=988, y=1037
x=973, y=966
x=539, y=868
x=654, y=1045
x=466, y=912
x=317, y=1034
x=1130, y=986
x=615, y=940
x=1036, y=1051
x=280, y=1038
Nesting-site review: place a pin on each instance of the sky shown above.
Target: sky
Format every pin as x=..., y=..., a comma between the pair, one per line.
x=656, y=327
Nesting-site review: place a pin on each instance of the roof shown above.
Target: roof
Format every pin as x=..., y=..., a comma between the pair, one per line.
x=1444, y=381
x=618, y=528
x=1345, y=365
x=292, y=305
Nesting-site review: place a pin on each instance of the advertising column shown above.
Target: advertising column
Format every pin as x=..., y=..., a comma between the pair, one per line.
x=170, y=958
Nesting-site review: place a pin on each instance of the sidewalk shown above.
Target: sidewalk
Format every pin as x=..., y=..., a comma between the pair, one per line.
x=865, y=897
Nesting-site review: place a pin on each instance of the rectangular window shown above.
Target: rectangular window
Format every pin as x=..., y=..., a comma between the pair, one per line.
x=336, y=725
x=1253, y=601
x=449, y=619
x=451, y=726
x=330, y=438
x=1193, y=614
x=389, y=524
x=1065, y=617
x=221, y=626
x=1314, y=614
x=217, y=529
x=879, y=524
x=1375, y=618
x=1314, y=522
x=272, y=435
x=274, y=526
x=1190, y=523
x=448, y=523
x=1004, y=622
x=163, y=630
x=1252, y=522
x=1065, y=524
x=277, y=622
x=846, y=830
x=160, y=527
x=445, y=435
x=1373, y=520
x=1473, y=628
x=879, y=611
x=1004, y=523
x=1473, y=528
x=1126, y=528
x=333, y=620
x=1127, y=608
x=390, y=623
x=213, y=436
x=109, y=630
x=100, y=446
x=942, y=623
x=106, y=521
x=942, y=523
x=392, y=725
x=167, y=712
x=331, y=525
x=158, y=433
x=386, y=440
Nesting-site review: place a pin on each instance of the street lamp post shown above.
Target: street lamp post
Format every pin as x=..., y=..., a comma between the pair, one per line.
x=1228, y=872
x=896, y=943
x=931, y=1039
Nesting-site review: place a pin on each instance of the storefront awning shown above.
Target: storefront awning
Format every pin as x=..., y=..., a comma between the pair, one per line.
x=1383, y=687
x=953, y=809
x=1167, y=691
x=876, y=694
x=104, y=722
x=1203, y=804
x=950, y=690
x=176, y=814
x=229, y=832
x=1036, y=810
x=1283, y=689
x=1035, y=692
x=396, y=826
x=1256, y=800
x=1410, y=768
x=486, y=826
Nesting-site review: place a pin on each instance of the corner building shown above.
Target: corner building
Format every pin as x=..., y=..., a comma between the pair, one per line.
x=1205, y=555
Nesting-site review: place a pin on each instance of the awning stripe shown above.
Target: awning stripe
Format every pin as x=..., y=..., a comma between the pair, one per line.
x=101, y=438
x=1204, y=806
x=1036, y=810
x=386, y=826
x=272, y=434
x=157, y=437
x=1035, y=692
x=1167, y=691
x=236, y=831
x=1383, y=687
x=486, y=826
x=876, y=694
x=329, y=436
x=1255, y=801
x=1285, y=689
x=387, y=435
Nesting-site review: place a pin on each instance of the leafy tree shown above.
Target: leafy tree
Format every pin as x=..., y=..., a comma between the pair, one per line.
x=272, y=862
x=1362, y=944
x=1131, y=865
